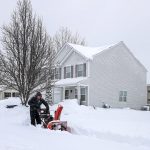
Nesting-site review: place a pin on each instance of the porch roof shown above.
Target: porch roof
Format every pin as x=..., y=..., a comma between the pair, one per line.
x=70, y=81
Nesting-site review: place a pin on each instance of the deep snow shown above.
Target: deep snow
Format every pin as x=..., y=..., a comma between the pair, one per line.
x=106, y=129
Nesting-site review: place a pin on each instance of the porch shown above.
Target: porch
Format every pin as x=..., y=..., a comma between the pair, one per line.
x=71, y=89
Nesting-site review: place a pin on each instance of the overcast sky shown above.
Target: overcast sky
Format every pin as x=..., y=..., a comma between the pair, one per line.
x=101, y=22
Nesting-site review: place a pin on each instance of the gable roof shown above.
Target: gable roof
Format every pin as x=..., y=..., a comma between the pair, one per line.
x=89, y=52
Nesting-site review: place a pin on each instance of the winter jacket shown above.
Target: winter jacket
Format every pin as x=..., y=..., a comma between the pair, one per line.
x=35, y=104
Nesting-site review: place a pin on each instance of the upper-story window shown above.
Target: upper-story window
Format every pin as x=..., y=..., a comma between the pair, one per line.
x=81, y=70
x=56, y=73
x=68, y=72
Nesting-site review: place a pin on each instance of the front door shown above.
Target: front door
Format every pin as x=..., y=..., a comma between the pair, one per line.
x=70, y=93
x=67, y=93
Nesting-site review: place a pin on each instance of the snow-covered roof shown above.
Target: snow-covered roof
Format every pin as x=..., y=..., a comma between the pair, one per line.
x=70, y=81
x=89, y=52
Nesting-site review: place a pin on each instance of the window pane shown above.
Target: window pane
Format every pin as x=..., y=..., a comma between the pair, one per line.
x=68, y=69
x=124, y=99
x=125, y=93
x=80, y=73
x=80, y=68
x=82, y=91
x=121, y=93
x=82, y=97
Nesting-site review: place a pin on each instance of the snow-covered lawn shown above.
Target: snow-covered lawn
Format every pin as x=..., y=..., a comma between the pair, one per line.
x=105, y=129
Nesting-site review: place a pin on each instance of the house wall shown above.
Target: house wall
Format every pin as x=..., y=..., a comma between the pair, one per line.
x=116, y=70
x=148, y=94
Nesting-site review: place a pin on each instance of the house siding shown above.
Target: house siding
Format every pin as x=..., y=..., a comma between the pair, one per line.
x=62, y=54
x=115, y=70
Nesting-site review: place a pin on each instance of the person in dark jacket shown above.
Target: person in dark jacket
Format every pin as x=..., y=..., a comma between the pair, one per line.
x=35, y=103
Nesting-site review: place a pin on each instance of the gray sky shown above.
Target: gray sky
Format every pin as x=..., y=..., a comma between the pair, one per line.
x=101, y=22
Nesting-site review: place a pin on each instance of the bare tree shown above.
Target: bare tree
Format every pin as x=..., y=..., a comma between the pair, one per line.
x=28, y=52
x=64, y=35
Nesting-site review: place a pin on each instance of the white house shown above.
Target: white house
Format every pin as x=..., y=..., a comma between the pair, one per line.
x=5, y=92
x=93, y=75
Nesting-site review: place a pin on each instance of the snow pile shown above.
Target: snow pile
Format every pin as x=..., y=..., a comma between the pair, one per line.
x=96, y=129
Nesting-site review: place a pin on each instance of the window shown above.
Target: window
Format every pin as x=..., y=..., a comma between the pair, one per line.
x=68, y=72
x=15, y=94
x=81, y=70
x=7, y=94
x=57, y=73
x=83, y=94
x=123, y=96
x=76, y=93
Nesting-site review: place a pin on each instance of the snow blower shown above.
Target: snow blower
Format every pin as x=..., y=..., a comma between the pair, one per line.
x=53, y=123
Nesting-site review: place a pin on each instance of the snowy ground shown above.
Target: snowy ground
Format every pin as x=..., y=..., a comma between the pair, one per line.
x=105, y=129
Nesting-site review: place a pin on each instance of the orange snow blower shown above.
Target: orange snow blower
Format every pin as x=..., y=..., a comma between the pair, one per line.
x=54, y=123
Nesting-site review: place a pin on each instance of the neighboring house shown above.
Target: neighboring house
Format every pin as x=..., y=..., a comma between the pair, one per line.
x=5, y=92
x=109, y=74
x=148, y=94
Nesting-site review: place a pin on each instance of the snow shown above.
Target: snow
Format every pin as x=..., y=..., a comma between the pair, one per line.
x=106, y=129
x=69, y=81
x=89, y=52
